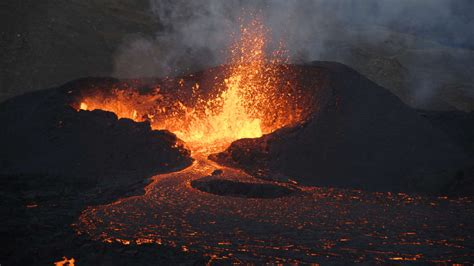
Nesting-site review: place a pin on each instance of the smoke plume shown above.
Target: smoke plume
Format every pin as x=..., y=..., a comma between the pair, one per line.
x=195, y=34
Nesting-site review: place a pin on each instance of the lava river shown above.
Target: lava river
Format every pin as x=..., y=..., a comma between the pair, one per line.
x=313, y=225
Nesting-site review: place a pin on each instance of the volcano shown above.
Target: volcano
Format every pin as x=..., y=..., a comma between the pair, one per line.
x=255, y=161
x=351, y=133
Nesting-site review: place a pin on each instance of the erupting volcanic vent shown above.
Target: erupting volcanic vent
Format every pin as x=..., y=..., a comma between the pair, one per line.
x=254, y=96
x=284, y=163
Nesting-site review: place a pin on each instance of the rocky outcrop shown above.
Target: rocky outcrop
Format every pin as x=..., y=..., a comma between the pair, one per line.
x=231, y=188
x=43, y=134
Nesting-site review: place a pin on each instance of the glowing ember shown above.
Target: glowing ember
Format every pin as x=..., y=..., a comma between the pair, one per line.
x=256, y=97
x=65, y=262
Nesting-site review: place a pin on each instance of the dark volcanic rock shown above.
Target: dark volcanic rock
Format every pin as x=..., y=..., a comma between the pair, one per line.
x=224, y=187
x=217, y=172
x=359, y=135
x=458, y=125
x=55, y=161
x=42, y=134
x=36, y=230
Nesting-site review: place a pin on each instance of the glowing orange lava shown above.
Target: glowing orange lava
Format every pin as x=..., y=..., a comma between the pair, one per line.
x=65, y=262
x=256, y=97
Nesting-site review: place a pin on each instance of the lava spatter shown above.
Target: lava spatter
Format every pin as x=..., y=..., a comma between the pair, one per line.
x=256, y=96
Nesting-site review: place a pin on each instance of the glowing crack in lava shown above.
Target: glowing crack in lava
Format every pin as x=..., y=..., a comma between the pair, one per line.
x=257, y=96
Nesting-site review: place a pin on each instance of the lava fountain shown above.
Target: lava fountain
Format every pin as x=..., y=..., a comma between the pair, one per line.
x=256, y=95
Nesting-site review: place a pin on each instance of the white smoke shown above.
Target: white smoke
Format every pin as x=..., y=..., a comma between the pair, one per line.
x=195, y=33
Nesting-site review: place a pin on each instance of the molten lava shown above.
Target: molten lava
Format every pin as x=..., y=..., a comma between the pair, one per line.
x=256, y=96
x=65, y=262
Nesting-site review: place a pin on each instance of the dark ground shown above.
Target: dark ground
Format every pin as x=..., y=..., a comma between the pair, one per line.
x=47, y=43
x=36, y=229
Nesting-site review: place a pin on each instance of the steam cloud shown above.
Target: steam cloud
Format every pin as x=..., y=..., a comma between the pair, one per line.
x=195, y=34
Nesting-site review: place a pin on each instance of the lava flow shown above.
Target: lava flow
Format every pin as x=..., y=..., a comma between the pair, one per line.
x=256, y=96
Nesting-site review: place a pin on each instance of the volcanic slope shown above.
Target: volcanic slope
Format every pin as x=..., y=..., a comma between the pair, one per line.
x=359, y=135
